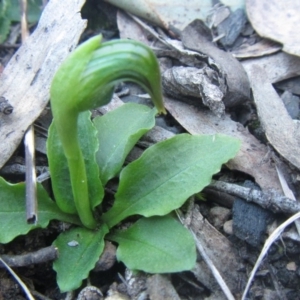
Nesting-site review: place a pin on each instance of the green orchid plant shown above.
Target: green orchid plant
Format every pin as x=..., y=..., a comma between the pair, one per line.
x=95, y=71
x=85, y=154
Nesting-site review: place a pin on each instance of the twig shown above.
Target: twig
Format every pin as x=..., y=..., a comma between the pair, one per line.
x=43, y=255
x=105, y=261
x=31, y=199
x=20, y=282
x=24, y=26
x=270, y=199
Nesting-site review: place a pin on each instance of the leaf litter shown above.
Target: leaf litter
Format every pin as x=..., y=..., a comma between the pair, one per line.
x=221, y=102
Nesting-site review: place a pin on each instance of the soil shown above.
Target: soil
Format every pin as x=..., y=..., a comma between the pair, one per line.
x=277, y=278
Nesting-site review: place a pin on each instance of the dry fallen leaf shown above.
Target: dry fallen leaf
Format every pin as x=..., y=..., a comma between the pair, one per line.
x=278, y=66
x=168, y=13
x=172, y=14
x=128, y=28
x=277, y=20
x=281, y=131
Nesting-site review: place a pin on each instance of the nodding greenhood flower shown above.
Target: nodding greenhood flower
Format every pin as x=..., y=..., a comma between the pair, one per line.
x=86, y=80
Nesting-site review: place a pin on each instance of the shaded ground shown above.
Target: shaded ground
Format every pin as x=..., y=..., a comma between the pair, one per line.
x=241, y=227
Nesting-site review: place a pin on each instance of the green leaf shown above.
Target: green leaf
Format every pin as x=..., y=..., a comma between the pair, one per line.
x=85, y=81
x=118, y=132
x=12, y=211
x=34, y=10
x=59, y=170
x=168, y=173
x=156, y=245
x=4, y=28
x=5, y=5
x=79, y=249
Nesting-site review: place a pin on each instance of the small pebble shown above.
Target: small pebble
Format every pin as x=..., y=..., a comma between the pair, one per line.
x=227, y=227
x=219, y=215
x=90, y=293
x=291, y=266
x=291, y=103
x=117, y=296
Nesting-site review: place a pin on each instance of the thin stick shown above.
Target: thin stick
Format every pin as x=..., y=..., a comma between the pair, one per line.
x=31, y=195
x=24, y=26
x=209, y=262
x=40, y=256
x=31, y=198
x=17, y=278
x=268, y=199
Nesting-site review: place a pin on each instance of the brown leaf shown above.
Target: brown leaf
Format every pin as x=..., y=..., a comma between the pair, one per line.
x=167, y=14
x=278, y=66
x=277, y=20
x=281, y=131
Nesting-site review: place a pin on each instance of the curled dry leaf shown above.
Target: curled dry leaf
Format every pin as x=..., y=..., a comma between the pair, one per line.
x=277, y=20
x=197, y=37
x=193, y=82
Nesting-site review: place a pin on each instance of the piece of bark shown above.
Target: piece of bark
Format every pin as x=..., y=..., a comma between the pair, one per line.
x=252, y=157
x=279, y=66
x=26, y=80
x=221, y=66
x=281, y=131
x=203, y=84
x=196, y=37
